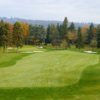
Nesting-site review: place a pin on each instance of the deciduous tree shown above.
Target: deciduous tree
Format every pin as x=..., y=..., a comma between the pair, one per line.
x=17, y=35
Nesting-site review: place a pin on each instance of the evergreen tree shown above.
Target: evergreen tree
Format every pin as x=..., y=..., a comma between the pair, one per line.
x=90, y=34
x=48, y=40
x=64, y=31
x=37, y=33
x=65, y=27
x=7, y=35
x=72, y=27
x=98, y=36
x=4, y=35
x=72, y=33
x=59, y=28
x=54, y=34
x=1, y=33
x=79, y=43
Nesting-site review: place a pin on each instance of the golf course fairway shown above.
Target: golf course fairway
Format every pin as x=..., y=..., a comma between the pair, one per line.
x=50, y=75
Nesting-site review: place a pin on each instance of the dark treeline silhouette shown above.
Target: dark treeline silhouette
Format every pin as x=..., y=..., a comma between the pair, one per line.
x=60, y=35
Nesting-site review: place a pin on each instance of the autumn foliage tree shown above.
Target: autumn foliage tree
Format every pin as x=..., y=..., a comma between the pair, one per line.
x=25, y=30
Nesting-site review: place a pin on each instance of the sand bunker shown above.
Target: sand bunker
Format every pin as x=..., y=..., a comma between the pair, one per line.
x=90, y=52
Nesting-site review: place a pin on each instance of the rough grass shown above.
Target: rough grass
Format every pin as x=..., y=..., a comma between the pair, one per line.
x=52, y=75
x=9, y=59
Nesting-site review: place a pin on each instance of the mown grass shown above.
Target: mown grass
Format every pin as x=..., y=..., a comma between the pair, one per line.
x=46, y=69
x=86, y=89
x=71, y=76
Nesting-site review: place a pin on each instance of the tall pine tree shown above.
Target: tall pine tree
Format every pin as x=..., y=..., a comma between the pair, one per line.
x=64, y=31
x=72, y=27
x=90, y=34
x=79, y=43
x=98, y=36
x=65, y=27
x=48, y=40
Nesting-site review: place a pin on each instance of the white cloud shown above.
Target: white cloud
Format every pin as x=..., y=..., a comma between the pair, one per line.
x=76, y=10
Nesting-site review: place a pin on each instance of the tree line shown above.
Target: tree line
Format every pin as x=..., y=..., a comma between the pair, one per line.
x=60, y=35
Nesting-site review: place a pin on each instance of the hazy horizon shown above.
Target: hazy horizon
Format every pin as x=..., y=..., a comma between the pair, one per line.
x=79, y=11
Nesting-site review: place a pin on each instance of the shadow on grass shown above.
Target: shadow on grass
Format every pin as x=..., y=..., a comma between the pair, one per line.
x=13, y=60
x=88, y=85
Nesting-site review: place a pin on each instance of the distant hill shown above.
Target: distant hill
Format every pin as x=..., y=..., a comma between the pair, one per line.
x=45, y=23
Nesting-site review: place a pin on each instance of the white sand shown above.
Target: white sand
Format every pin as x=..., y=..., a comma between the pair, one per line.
x=90, y=52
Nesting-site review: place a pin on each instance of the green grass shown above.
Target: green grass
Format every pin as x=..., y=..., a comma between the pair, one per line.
x=50, y=75
x=10, y=59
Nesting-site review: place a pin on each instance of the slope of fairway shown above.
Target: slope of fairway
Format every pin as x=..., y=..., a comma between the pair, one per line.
x=46, y=69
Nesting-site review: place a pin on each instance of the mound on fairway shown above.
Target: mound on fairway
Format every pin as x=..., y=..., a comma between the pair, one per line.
x=47, y=69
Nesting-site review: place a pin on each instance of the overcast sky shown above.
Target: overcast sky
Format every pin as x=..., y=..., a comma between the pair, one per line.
x=75, y=10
